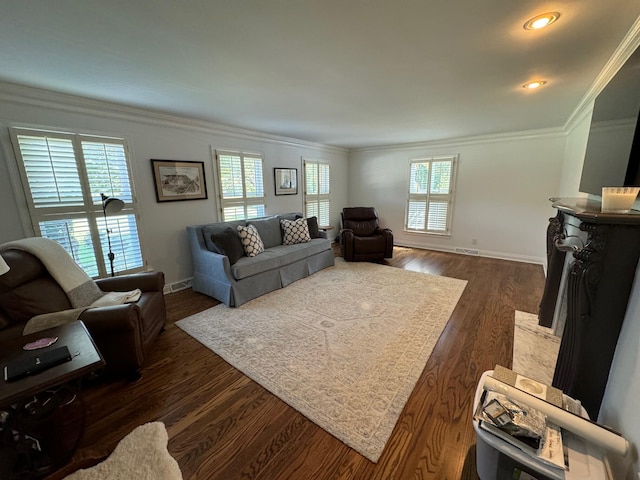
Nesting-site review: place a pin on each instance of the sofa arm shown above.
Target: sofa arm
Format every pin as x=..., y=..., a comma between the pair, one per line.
x=214, y=265
x=147, y=282
x=117, y=332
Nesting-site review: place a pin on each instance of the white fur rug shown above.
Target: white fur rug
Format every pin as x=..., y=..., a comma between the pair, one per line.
x=141, y=455
x=344, y=346
x=535, y=348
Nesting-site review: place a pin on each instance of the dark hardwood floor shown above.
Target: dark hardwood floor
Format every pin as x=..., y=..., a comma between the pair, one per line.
x=224, y=426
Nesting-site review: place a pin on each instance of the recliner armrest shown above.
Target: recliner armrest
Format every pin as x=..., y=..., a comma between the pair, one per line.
x=114, y=318
x=388, y=238
x=146, y=281
x=117, y=332
x=346, y=243
x=346, y=234
x=382, y=231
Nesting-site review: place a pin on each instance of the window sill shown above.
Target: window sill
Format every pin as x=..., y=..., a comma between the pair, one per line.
x=430, y=234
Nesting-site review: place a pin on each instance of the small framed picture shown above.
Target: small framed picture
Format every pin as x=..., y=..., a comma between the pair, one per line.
x=286, y=181
x=179, y=180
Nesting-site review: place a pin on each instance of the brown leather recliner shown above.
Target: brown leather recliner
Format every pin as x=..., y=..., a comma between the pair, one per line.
x=122, y=333
x=361, y=238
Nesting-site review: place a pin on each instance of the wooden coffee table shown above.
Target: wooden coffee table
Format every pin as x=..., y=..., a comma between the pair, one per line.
x=45, y=410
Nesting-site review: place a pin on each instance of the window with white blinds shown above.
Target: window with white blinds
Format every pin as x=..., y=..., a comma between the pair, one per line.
x=430, y=199
x=63, y=175
x=317, y=191
x=241, y=181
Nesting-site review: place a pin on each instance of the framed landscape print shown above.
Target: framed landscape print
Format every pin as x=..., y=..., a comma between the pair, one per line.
x=286, y=181
x=179, y=180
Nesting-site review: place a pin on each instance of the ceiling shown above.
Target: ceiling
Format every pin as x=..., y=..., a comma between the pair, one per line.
x=349, y=73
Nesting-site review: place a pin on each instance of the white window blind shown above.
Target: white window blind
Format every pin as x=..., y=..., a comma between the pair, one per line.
x=63, y=176
x=317, y=191
x=241, y=180
x=430, y=199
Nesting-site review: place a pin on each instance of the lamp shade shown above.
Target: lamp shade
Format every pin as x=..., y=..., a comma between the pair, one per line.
x=4, y=268
x=111, y=205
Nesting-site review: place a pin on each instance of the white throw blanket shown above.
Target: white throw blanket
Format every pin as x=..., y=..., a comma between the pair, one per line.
x=55, y=319
x=117, y=298
x=81, y=290
x=79, y=287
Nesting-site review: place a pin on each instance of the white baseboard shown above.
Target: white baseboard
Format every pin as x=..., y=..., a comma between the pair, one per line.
x=477, y=253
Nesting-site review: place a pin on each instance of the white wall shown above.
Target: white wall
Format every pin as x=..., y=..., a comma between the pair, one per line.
x=619, y=408
x=502, y=191
x=152, y=136
x=620, y=404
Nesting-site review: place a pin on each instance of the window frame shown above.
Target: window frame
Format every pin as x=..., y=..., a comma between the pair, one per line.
x=319, y=197
x=243, y=202
x=429, y=198
x=90, y=208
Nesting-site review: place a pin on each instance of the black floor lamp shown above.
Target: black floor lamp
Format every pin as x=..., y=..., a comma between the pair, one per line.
x=110, y=205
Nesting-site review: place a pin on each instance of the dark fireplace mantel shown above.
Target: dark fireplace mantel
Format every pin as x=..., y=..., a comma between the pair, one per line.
x=600, y=279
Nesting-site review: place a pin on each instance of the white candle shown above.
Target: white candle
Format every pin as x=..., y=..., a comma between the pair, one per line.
x=618, y=199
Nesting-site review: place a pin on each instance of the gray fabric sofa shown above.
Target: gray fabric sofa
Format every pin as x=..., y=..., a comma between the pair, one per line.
x=249, y=277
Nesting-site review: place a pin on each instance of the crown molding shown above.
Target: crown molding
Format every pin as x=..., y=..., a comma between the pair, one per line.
x=472, y=140
x=626, y=48
x=31, y=96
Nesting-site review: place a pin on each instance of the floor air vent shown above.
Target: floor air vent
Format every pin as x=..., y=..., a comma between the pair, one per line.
x=176, y=287
x=468, y=251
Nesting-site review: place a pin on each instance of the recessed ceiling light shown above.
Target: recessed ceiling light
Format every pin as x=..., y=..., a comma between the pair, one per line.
x=541, y=21
x=536, y=84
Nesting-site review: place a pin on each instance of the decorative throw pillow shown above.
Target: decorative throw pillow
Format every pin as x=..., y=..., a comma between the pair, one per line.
x=312, y=222
x=314, y=231
x=251, y=240
x=228, y=243
x=295, y=231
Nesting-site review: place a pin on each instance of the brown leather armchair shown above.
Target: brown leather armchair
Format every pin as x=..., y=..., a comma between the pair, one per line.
x=361, y=238
x=122, y=333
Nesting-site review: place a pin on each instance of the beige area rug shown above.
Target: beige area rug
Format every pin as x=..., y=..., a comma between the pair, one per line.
x=535, y=348
x=141, y=455
x=344, y=346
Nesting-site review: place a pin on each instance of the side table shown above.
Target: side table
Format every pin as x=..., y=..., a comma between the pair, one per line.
x=42, y=415
x=327, y=229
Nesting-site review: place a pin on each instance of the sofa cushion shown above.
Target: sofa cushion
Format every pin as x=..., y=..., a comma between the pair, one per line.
x=295, y=231
x=369, y=245
x=277, y=257
x=228, y=243
x=251, y=240
x=269, y=230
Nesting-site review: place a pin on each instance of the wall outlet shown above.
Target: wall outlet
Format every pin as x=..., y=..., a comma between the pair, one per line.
x=474, y=241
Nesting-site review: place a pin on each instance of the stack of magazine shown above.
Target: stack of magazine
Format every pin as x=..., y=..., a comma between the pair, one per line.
x=521, y=425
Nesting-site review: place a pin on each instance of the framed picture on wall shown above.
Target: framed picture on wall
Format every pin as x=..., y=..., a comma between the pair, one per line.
x=179, y=180
x=286, y=181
